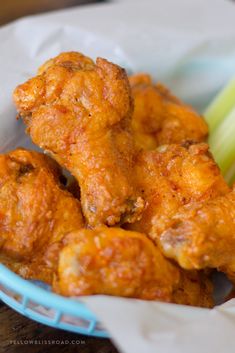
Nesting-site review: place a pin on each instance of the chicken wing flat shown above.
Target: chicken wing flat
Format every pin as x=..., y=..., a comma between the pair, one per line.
x=80, y=112
x=35, y=211
x=203, y=235
x=173, y=176
x=116, y=262
x=160, y=118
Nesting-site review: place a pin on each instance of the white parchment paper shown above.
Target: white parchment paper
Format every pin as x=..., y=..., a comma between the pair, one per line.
x=187, y=44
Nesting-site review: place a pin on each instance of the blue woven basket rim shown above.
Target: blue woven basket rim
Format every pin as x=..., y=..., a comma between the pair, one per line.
x=43, y=297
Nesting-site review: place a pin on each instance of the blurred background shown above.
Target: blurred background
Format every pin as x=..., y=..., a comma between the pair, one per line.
x=13, y=9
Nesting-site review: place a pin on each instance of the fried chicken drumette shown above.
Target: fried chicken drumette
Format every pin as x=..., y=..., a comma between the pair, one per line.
x=116, y=262
x=203, y=235
x=189, y=211
x=80, y=112
x=173, y=176
x=160, y=118
x=35, y=210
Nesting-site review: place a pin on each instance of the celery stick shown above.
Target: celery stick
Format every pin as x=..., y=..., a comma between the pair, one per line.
x=230, y=175
x=222, y=143
x=220, y=106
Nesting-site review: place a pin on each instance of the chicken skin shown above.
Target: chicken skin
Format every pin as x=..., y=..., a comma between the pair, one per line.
x=203, y=235
x=173, y=176
x=80, y=112
x=160, y=118
x=35, y=210
x=116, y=262
x=142, y=166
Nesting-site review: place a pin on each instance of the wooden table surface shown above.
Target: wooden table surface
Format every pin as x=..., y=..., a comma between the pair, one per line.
x=15, y=330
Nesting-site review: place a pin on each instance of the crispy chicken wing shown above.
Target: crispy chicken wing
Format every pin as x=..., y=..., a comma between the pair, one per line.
x=117, y=262
x=203, y=235
x=80, y=112
x=160, y=118
x=173, y=176
x=35, y=210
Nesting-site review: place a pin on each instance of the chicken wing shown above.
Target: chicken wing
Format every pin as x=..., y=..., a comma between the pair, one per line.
x=203, y=235
x=35, y=210
x=173, y=176
x=160, y=118
x=122, y=263
x=36, y=213
x=80, y=112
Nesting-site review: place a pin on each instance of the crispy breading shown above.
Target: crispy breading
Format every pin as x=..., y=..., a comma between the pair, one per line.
x=173, y=176
x=35, y=210
x=202, y=235
x=116, y=262
x=80, y=112
x=160, y=118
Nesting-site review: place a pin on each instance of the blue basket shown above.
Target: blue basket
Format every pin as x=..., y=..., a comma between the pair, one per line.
x=36, y=301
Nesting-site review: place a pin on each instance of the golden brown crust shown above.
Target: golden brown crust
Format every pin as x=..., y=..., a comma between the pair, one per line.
x=203, y=235
x=173, y=176
x=160, y=118
x=117, y=262
x=35, y=210
x=80, y=113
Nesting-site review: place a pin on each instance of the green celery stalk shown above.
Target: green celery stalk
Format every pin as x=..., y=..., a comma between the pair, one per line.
x=221, y=106
x=222, y=143
x=230, y=175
